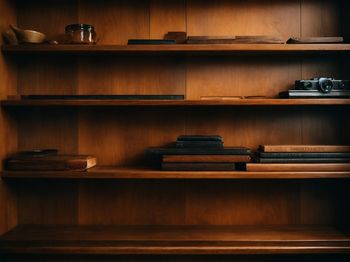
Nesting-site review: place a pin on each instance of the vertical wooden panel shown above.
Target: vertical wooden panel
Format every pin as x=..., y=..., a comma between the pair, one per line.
x=248, y=127
x=130, y=75
x=8, y=136
x=120, y=20
x=48, y=203
x=51, y=75
x=55, y=128
x=48, y=75
x=49, y=17
x=320, y=18
x=120, y=136
x=132, y=203
x=250, y=17
x=242, y=203
x=167, y=16
x=240, y=76
x=320, y=203
x=325, y=127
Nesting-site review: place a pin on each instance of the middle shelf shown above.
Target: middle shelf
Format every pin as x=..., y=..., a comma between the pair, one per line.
x=104, y=172
x=218, y=102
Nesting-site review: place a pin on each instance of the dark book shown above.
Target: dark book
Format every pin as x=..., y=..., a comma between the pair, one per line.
x=199, y=138
x=206, y=158
x=303, y=155
x=51, y=163
x=302, y=160
x=304, y=148
x=234, y=40
x=315, y=40
x=319, y=167
x=35, y=153
x=199, y=144
x=198, y=151
x=151, y=42
x=198, y=166
x=313, y=94
x=104, y=97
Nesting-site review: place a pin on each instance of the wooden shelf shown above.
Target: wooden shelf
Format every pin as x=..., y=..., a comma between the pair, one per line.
x=141, y=173
x=173, y=49
x=233, y=102
x=174, y=240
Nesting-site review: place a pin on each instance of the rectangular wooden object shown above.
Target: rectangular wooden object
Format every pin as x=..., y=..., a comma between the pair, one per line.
x=304, y=148
x=52, y=163
x=254, y=167
x=199, y=166
x=315, y=40
x=206, y=158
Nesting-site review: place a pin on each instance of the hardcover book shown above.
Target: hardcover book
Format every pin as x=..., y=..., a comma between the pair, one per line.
x=206, y=158
x=303, y=160
x=304, y=148
x=200, y=138
x=304, y=155
x=198, y=166
x=200, y=144
x=199, y=151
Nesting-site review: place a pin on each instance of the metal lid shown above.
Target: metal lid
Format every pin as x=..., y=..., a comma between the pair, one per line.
x=74, y=27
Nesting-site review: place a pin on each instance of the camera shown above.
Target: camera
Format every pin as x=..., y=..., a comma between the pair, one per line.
x=323, y=84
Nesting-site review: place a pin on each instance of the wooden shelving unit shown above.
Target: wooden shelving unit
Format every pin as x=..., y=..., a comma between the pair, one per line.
x=175, y=240
x=120, y=208
x=147, y=173
x=180, y=103
x=176, y=49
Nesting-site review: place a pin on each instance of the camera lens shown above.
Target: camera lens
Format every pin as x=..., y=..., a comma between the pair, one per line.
x=325, y=85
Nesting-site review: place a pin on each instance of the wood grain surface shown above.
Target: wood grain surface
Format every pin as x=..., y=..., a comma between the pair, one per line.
x=178, y=240
x=8, y=132
x=117, y=132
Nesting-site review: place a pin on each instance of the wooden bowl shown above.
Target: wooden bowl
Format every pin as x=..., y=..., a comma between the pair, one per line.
x=28, y=36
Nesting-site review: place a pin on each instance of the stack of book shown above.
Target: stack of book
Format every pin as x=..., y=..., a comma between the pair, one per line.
x=202, y=153
x=301, y=158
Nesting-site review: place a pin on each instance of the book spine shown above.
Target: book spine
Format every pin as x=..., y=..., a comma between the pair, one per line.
x=198, y=151
x=303, y=155
x=253, y=167
x=199, y=144
x=303, y=160
x=305, y=149
x=206, y=158
x=198, y=166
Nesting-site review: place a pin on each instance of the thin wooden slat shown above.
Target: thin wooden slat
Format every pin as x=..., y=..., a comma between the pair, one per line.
x=164, y=49
x=206, y=102
x=106, y=172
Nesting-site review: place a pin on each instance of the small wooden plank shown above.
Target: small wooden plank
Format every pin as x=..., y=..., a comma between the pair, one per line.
x=142, y=173
x=174, y=240
x=222, y=102
x=180, y=48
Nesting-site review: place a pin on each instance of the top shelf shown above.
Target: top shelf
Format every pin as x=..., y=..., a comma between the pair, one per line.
x=176, y=49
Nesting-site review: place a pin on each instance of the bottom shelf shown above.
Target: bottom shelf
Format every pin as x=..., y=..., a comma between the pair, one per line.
x=175, y=240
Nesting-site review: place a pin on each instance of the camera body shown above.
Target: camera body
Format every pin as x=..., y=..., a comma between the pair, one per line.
x=323, y=84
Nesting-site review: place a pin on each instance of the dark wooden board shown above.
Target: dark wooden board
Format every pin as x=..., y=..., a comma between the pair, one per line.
x=102, y=173
x=175, y=240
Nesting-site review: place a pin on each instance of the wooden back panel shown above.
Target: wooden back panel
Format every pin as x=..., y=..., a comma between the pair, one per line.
x=119, y=136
